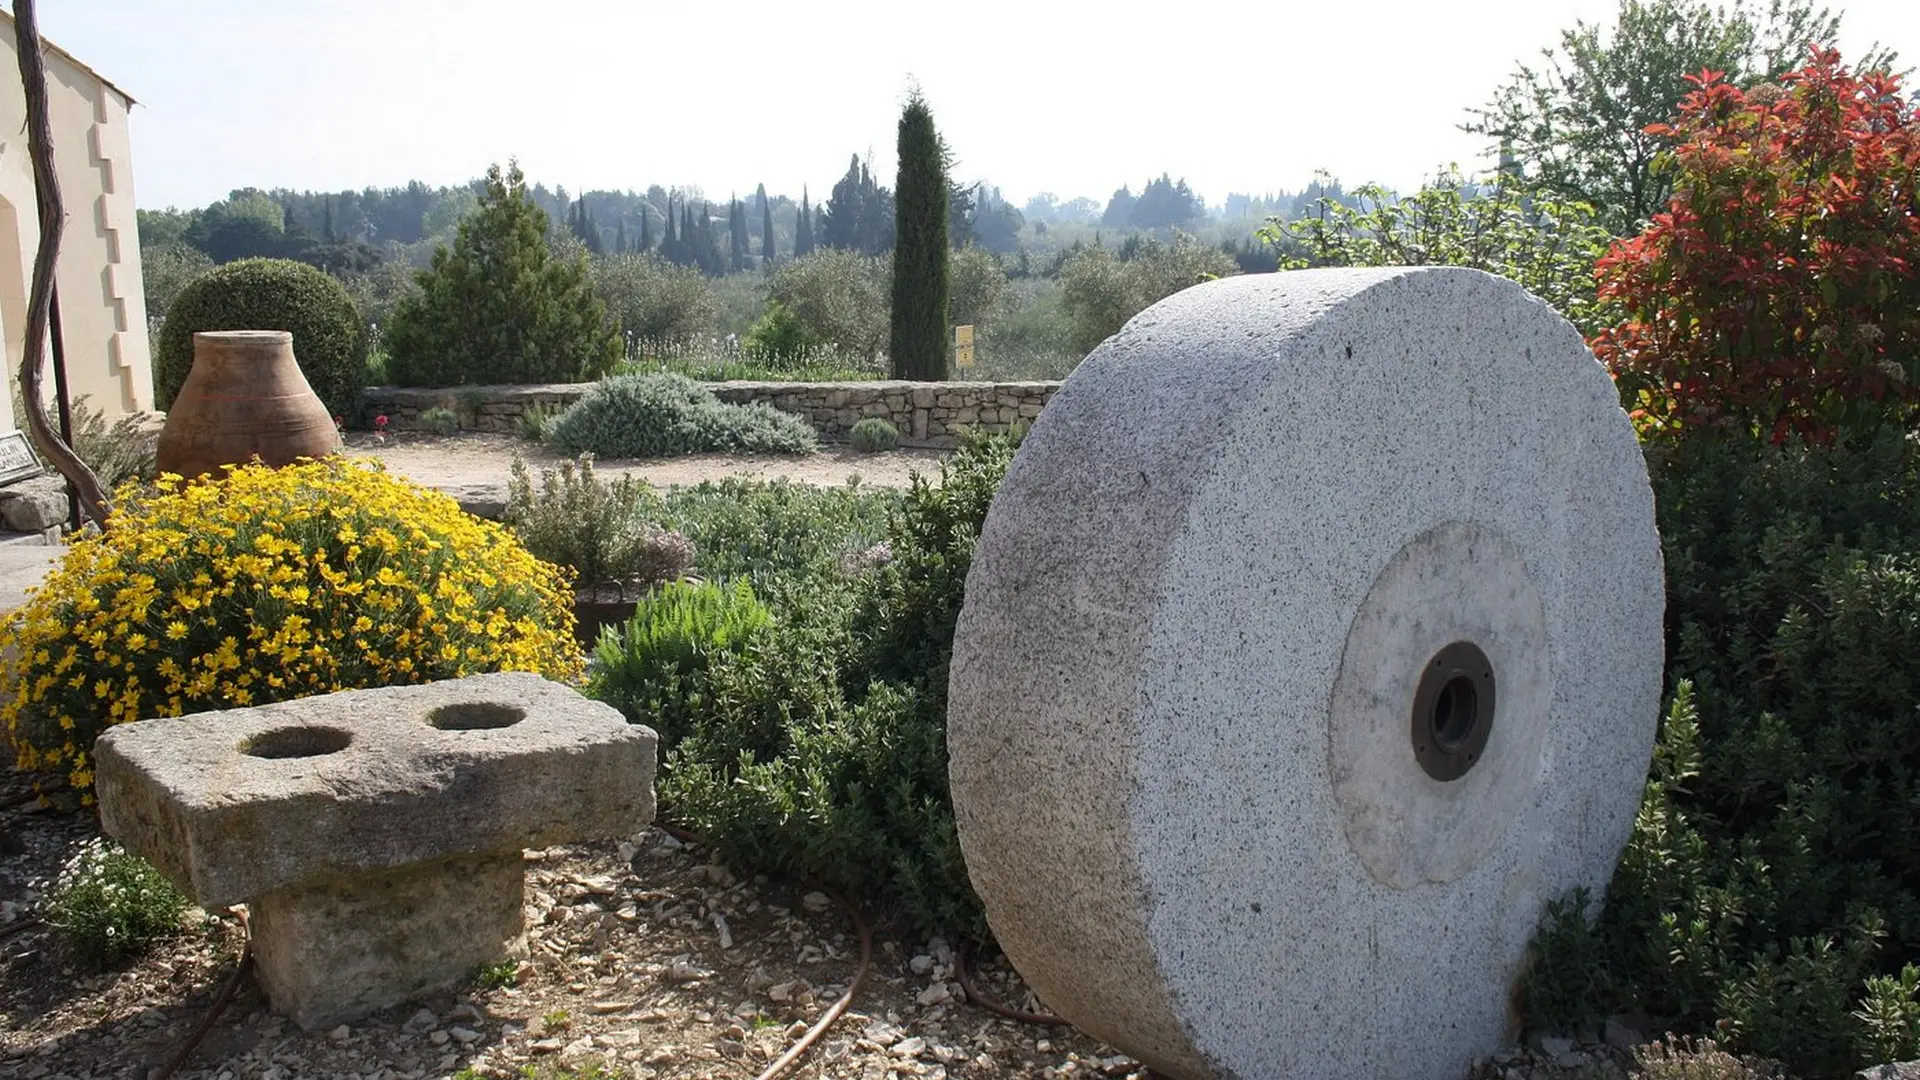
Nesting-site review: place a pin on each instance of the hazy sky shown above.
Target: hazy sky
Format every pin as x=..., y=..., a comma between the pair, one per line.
x=1037, y=96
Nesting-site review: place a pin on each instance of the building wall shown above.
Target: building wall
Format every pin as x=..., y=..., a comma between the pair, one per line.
x=103, y=317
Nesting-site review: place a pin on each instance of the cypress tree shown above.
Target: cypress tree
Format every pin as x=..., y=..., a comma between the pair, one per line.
x=620, y=237
x=712, y=263
x=918, y=343
x=646, y=231
x=583, y=226
x=327, y=222
x=737, y=243
x=669, y=244
x=766, y=228
x=803, y=227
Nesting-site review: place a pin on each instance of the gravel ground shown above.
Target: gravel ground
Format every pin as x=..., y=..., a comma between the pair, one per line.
x=646, y=959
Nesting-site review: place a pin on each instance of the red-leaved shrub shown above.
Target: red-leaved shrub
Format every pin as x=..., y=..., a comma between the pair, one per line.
x=1778, y=294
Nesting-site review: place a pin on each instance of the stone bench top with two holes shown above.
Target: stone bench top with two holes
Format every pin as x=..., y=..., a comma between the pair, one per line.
x=235, y=804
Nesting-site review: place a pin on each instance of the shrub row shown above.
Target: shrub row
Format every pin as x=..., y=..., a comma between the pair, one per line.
x=1770, y=894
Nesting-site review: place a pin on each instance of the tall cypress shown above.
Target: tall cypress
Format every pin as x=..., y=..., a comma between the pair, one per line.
x=646, y=232
x=918, y=343
x=669, y=244
x=737, y=243
x=584, y=228
x=766, y=228
x=712, y=263
x=803, y=227
x=620, y=236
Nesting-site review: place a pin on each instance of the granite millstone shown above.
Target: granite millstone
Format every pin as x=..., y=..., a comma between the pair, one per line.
x=227, y=825
x=1185, y=741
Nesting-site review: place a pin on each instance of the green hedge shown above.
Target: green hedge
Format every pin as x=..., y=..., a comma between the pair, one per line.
x=1770, y=895
x=329, y=339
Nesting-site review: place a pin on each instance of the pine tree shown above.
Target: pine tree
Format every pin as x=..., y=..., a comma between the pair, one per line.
x=918, y=343
x=766, y=228
x=498, y=307
x=803, y=227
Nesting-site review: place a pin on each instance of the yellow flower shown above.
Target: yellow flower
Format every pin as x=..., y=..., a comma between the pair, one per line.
x=254, y=558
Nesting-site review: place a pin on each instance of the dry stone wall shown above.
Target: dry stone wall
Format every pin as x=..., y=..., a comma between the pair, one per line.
x=927, y=414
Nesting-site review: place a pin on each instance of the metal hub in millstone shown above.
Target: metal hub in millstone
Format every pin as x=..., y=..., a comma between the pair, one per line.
x=1453, y=711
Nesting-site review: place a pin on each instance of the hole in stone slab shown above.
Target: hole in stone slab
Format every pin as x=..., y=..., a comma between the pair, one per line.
x=297, y=742
x=475, y=716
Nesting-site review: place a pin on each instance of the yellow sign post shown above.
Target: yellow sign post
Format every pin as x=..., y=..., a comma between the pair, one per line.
x=963, y=346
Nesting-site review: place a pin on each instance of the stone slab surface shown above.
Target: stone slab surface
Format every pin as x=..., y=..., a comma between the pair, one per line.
x=227, y=825
x=330, y=952
x=1196, y=619
x=24, y=566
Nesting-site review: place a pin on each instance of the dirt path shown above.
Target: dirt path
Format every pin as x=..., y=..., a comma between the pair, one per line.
x=481, y=460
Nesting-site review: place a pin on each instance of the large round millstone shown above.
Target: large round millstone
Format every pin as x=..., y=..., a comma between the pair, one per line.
x=1312, y=644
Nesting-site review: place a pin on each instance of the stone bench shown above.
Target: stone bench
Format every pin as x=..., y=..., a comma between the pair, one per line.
x=375, y=835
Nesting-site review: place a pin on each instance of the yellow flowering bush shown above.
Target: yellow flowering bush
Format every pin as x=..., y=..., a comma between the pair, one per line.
x=264, y=585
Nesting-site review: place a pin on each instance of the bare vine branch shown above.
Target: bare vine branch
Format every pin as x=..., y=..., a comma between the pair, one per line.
x=33, y=74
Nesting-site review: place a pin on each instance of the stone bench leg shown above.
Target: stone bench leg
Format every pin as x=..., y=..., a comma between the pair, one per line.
x=334, y=950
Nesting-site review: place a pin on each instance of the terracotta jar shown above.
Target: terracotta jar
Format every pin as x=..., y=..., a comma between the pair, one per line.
x=244, y=397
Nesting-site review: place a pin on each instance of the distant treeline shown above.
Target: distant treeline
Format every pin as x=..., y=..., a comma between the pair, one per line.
x=347, y=232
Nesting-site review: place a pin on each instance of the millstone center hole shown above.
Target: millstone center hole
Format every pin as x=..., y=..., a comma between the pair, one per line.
x=1453, y=711
x=1456, y=709
x=475, y=716
x=297, y=742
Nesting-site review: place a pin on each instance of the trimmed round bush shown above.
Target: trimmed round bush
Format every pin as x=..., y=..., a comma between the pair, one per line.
x=872, y=435
x=666, y=415
x=267, y=585
x=329, y=337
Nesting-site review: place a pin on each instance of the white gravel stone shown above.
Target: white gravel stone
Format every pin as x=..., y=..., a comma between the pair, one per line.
x=1197, y=617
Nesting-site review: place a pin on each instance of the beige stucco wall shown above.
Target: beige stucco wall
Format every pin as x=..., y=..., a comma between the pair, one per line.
x=103, y=317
